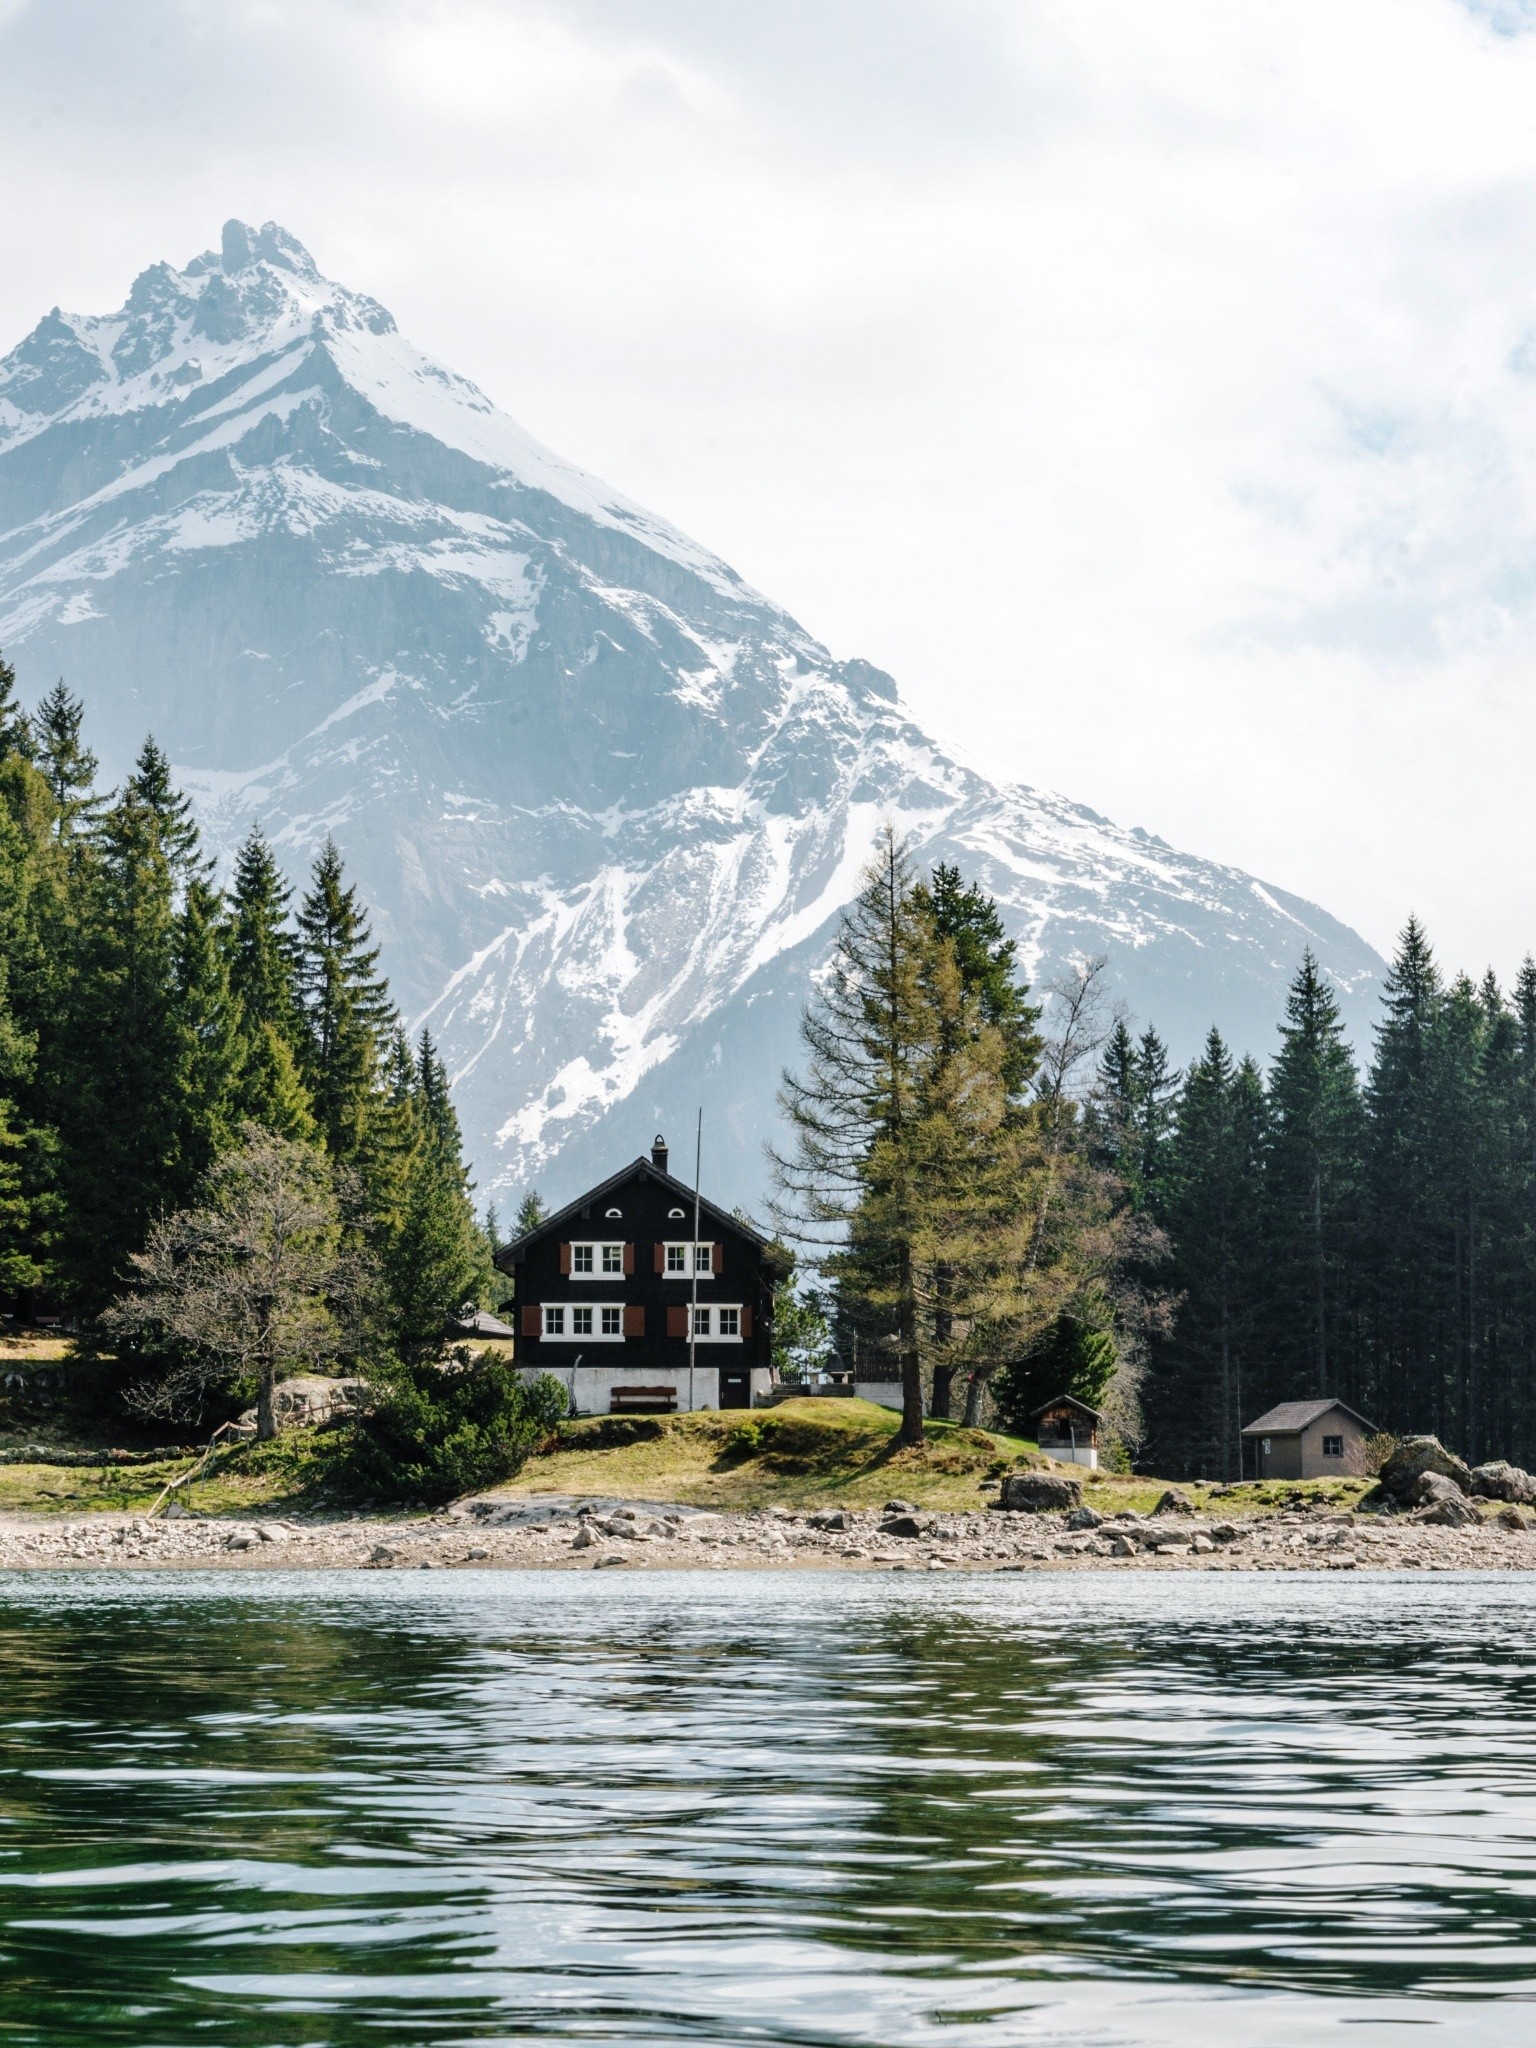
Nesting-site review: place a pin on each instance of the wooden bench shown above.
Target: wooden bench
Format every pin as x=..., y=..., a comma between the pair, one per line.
x=643, y=1401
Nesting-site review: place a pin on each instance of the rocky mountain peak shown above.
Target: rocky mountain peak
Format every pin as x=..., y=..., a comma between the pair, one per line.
x=605, y=800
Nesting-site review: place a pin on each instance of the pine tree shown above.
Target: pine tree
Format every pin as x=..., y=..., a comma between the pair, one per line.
x=1407, y=1250
x=151, y=785
x=987, y=958
x=1214, y=1216
x=208, y=1081
x=263, y=952
x=437, y=1259
x=119, y=1053
x=531, y=1212
x=1132, y=1112
x=16, y=737
x=347, y=1014
x=68, y=765
x=1312, y=1195
x=854, y=1187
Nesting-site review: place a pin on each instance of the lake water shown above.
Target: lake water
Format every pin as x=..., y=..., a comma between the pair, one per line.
x=766, y=1808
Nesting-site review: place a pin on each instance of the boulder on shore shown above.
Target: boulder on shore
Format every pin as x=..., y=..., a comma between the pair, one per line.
x=1503, y=1481
x=1174, y=1502
x=1432, y=1490
x=1040, y=1493
x=1409, y=1461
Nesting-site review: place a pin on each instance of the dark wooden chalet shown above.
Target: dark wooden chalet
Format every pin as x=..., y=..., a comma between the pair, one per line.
x=619, y=1299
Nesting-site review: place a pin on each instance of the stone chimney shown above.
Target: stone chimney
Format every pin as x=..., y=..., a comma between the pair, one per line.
x=659, y=1153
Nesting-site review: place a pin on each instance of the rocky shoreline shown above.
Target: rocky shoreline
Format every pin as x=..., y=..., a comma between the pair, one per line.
x=567, y=1534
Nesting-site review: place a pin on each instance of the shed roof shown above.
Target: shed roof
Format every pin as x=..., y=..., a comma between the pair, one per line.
x=476, y=1322
x=1066, y=1401
x=1292, y=1417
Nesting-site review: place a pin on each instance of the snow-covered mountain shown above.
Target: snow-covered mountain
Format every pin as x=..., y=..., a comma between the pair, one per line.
x=605, y=799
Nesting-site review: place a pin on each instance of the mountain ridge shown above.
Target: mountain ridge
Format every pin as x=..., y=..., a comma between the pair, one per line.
x=604, y=798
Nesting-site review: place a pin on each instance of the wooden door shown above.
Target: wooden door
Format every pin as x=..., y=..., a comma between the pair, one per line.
x=735, y=1386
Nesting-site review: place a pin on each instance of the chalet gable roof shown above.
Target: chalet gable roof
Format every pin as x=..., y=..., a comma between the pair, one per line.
x=638, y=1169
x=1292, y=1417
x=1066, y=1401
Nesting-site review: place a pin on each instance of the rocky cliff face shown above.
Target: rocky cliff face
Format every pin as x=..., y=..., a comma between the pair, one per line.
x=605, y=799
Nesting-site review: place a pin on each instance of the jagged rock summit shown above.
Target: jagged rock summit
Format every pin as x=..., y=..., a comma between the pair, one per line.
x=605, y=799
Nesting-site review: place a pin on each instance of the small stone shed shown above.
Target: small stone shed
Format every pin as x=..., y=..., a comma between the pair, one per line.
x=1309, y=1440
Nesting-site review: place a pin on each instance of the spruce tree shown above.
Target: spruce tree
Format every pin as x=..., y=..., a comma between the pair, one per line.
x=968, y=919
x=1407, y=1249
x=346, y=1011
x=1214, y=1209
x=119, y=1053
x=151, y=784
x=437, y=1259
x=68, y=765
x=16, y=736
x=208, y=1081
x=1312, y=1198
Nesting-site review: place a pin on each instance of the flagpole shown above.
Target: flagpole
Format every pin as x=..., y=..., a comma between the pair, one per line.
x=693, y=1261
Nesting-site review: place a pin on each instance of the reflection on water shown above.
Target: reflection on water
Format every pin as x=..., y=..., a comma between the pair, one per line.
x=780, y=1808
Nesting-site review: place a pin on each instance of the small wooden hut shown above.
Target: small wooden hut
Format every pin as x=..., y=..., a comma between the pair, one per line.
x=1068, y=1429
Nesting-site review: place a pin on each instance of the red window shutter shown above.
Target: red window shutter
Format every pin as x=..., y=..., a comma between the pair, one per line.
x=661, y=1258
x=634, y=1319
x=677, y=1319
x=716, y=1257
x=565, y=1258
x=629, y=1258
x=533, y=1320
x=746, y=1322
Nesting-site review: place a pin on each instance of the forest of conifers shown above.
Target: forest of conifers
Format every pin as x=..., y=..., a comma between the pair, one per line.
x=150, y=1020
x=1235, y=1235
x=1370, y=1237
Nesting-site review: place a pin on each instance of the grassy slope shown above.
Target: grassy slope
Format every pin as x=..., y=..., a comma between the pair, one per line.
x=804, y=1454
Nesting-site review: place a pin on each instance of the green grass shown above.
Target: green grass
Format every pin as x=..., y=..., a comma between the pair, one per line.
x=803, y=1454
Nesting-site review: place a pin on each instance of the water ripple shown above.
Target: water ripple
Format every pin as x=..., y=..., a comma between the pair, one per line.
x=765, y=1807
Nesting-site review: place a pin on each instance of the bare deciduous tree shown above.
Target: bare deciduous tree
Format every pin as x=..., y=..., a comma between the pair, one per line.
x=249, y=1281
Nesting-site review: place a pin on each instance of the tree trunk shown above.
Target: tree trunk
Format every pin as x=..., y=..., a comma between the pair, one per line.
x=911, y=1431
x=266, y=1410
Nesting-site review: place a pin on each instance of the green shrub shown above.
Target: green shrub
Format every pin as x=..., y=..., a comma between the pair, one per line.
x=745, y=1440
x=436, y=1431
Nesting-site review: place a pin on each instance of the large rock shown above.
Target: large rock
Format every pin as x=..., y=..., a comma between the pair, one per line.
x=1450, y=1510
x=1433, y=1490
x=1502, y=1481
x=1040, y=1493
x=1174, y=1502
x=308, y=1399
x=1416, y=1455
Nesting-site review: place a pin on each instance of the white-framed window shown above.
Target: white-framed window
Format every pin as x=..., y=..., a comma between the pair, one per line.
x=597, y=1261
x=717, y=1325
x=677, y=1267
x=584, y=1322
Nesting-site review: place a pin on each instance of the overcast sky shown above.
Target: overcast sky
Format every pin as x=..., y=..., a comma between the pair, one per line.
x=1151, y=389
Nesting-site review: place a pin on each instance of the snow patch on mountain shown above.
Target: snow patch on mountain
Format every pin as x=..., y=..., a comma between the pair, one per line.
x=605, y=800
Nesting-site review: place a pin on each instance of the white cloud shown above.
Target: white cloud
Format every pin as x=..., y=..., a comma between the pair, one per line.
x=1152, y=390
